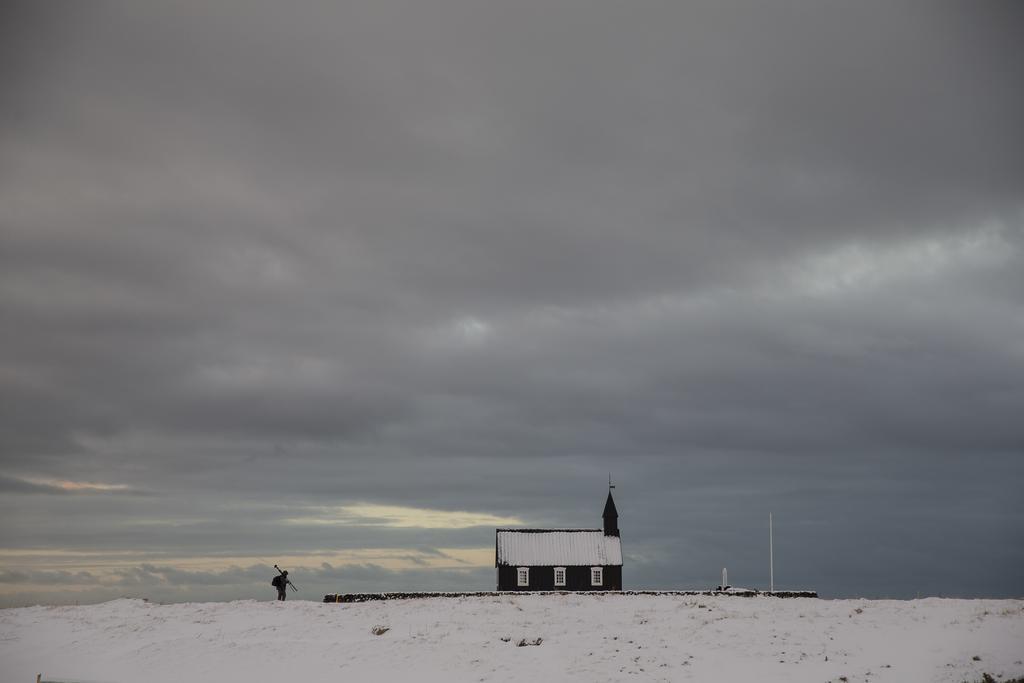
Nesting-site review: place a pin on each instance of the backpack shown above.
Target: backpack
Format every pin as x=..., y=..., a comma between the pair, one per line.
x=276, y=583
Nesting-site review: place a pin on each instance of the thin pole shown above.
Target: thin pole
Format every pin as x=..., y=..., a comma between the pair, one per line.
x=771, y=556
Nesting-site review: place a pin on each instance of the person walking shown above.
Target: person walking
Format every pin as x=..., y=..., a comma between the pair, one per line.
x=281, y=583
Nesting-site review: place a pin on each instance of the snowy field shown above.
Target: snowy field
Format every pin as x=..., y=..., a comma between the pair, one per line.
x=582, y=638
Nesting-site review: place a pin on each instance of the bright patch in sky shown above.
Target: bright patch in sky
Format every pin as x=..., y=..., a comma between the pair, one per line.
x=405, y=517
x=65, y=574
x=68, y=485
x=857, y=266
x=473, y=329
x=464, y=332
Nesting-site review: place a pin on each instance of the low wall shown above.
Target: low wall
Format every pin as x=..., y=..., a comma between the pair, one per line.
x=368, y=597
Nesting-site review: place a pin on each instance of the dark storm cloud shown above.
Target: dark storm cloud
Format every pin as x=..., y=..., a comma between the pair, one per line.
x=468, y=256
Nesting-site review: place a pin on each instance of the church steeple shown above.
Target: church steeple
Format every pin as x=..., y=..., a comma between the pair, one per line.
x=611, y=515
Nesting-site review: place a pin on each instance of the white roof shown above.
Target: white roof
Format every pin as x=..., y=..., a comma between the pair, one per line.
x=557, y=548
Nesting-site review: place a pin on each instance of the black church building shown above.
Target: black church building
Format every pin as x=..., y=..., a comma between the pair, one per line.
x=561, y=559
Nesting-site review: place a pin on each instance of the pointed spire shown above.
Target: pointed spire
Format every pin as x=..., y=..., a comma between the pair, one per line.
x=611, y=515
x=609, y=508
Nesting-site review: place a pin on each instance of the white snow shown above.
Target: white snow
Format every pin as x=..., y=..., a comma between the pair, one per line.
x=582, y=638
x=561, y=547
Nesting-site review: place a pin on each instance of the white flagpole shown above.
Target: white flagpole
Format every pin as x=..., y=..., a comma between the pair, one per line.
x=771, y=556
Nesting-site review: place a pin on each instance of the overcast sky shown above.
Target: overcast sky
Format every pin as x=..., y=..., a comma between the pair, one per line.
x=345, y=286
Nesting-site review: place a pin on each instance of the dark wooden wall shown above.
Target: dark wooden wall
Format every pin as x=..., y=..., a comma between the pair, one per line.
x=576, y=579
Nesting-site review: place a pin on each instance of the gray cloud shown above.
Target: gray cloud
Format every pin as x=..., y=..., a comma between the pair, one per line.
x=16, y=485
x=165, y=583
x=58, y=577
x=474, y=257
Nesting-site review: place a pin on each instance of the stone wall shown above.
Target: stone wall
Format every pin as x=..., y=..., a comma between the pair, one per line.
x=367, y=597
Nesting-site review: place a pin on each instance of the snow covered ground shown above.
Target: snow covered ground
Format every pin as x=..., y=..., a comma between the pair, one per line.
x=583, y=638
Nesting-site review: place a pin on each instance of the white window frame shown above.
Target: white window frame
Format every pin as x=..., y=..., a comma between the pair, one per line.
x=557, y=582
x=522, y=576
x=597, y=576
